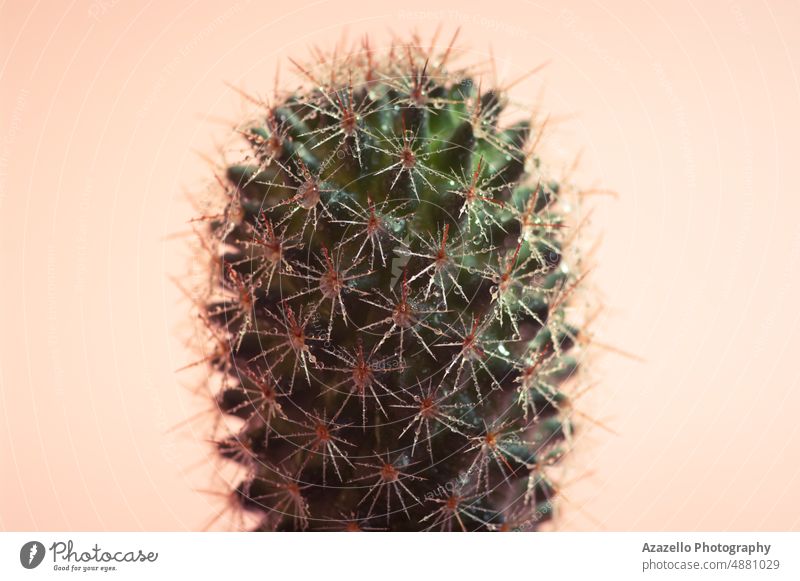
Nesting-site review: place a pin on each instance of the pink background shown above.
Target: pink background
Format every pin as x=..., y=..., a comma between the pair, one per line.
x=688, y=109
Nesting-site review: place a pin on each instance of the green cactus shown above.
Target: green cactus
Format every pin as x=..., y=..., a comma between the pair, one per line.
x=389, y=301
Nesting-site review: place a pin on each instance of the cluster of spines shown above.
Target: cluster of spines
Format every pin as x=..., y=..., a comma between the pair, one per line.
x=389, y=308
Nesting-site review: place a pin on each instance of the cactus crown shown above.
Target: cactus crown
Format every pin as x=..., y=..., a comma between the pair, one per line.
x=389, y=302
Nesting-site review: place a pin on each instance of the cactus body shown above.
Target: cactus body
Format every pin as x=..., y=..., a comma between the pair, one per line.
x=389, y=301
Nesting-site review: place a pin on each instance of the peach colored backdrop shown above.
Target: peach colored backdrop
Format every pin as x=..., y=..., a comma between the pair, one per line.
x=689, y=109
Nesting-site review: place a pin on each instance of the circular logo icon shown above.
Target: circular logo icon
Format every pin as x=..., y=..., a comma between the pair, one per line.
x=31, y=554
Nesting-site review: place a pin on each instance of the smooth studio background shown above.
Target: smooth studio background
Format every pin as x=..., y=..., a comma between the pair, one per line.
x=687, y=109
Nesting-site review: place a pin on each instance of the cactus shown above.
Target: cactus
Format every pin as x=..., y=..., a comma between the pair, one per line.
x=389, y=303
